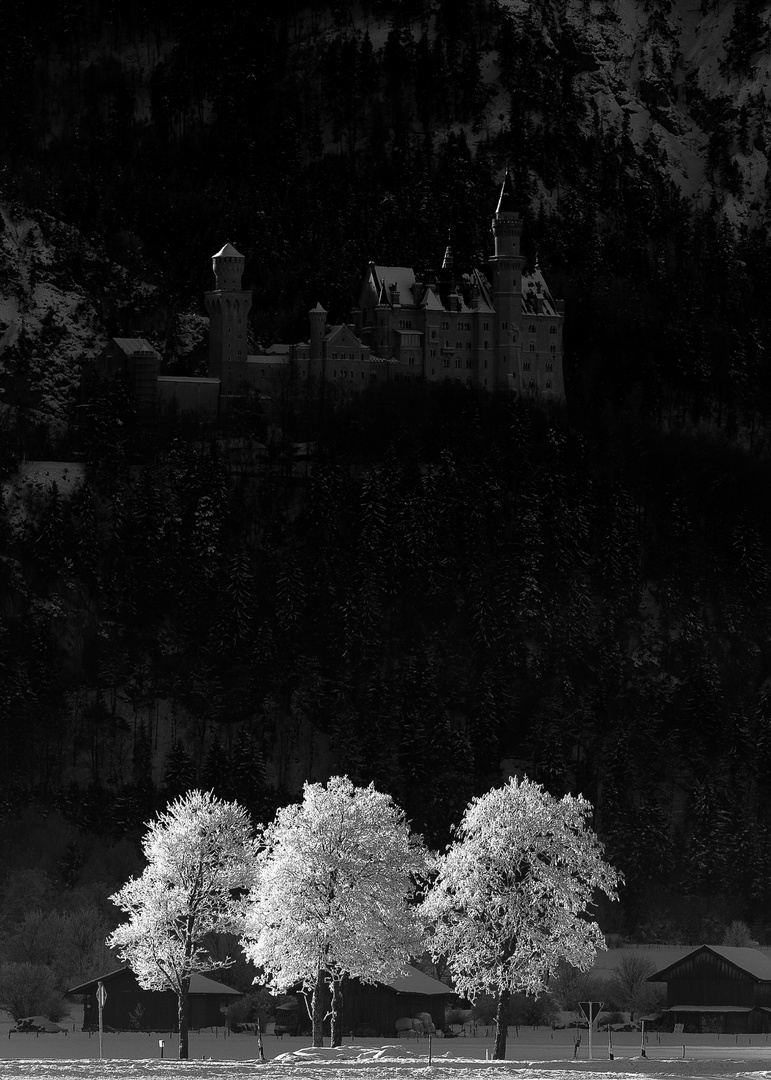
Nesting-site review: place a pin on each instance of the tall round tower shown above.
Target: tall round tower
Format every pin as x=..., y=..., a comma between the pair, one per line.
x=507, y=264
x=318, y=321
x=228, y=306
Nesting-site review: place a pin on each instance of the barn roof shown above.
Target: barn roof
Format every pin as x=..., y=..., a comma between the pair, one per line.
x=750, y=961
x=713, y=1008
x=417, y=982
x=199, y=984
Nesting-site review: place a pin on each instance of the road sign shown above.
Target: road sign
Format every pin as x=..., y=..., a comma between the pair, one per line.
x=591, y=1010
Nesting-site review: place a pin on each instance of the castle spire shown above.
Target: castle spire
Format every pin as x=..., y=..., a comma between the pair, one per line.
x=507, y=203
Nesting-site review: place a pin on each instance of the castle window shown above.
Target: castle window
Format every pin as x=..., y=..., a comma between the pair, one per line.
x=552, y=349
x=469, y=363
x=550, y=367
x=532, y=328
x=532, y=346
x=412, y=359
x=504, y=326
x=526, y=365
x=432, y=352
x=552, y=329
x=457, y=362
x=548, y=384
x=433, y=333
x=487, y=345
x=485, y=326
x=446, y=362
x=445, y=324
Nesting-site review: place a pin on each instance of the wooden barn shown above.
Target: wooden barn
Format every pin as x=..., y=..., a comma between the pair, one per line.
x=718, y=989
x=373, y=1009
x=128, y=1006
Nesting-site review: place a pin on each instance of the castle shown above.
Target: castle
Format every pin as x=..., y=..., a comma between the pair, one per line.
x=501, y=333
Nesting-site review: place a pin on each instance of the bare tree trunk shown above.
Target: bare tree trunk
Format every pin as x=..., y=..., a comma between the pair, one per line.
x=337, y=1010
x=183, y=1014
x=316, y=1007
x=501, y=1026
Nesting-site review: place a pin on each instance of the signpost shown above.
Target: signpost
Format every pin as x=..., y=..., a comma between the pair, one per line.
x=591, y=1010
x=101, y=997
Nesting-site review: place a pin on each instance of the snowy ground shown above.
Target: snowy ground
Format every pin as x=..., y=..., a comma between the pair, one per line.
x=532, y=1055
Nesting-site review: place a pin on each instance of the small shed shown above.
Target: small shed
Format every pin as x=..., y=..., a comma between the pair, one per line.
x=127, y=1006
x=720, y=989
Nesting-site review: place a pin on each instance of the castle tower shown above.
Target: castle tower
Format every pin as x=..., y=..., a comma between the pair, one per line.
x=507, y=264
x=318, y=319
x=228, y=307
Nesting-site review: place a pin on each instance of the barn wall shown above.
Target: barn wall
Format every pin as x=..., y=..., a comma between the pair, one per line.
x=159, y=1007
x=710, y=991
x=708, y=979
x=376, y=1009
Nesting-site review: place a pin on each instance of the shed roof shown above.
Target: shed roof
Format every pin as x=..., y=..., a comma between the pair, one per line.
x=199, y=984
x=750, y=961
x=417, y=982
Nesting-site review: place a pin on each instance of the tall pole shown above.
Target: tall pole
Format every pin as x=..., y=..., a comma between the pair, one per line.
x=101, y=996
x=591, y=1017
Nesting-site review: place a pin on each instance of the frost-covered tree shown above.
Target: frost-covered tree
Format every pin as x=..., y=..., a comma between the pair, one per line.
x=334, y=894
x=201, y=863
x=513, y=892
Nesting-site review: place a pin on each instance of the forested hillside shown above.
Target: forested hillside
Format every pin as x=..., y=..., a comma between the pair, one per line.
x=453, y=586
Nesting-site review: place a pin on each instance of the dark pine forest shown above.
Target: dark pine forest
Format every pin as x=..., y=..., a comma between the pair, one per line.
x=458, y=585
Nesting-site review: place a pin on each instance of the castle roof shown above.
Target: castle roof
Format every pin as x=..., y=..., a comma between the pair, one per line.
x=228, y=250
x=403, y=277
x=534, y=288
x=507, y=203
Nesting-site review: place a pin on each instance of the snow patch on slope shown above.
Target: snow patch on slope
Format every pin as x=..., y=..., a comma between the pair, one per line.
x=55, y=291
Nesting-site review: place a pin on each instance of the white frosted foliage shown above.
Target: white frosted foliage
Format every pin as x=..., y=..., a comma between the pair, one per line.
x=514, y=891
x=201, y=859
x=334, y=890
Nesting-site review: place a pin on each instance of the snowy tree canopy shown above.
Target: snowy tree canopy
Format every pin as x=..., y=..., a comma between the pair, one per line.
x=201, y=862
x=513, y=891
x=334, y=889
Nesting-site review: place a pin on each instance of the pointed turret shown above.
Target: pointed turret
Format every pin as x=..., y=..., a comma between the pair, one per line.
x=507, y=200
x=228, y=306
x=447, y=261
x=317, y=317
x=507, y=264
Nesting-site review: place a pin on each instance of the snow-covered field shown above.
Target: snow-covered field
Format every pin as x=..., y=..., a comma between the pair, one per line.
x=532, y=1055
